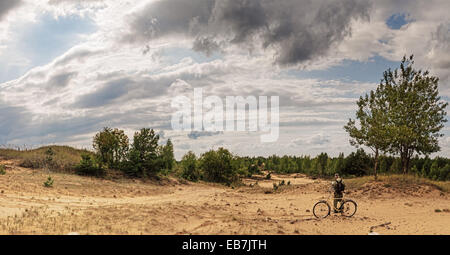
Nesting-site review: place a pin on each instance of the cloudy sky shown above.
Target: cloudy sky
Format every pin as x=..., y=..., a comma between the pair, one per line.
x=70, y=67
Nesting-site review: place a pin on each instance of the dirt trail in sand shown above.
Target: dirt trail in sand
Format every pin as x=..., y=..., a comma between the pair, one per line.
x=94, y=206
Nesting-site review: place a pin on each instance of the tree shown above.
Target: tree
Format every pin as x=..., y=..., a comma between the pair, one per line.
x=189, y=167
x=340, y=163
x=357, y=163
x=322, y=161
x=434, y=172
x=167, y=155
x=217, y=166
x=88, y=166
x=111, y=146
x=143, y=157
x=372, y=131
x=415, y=112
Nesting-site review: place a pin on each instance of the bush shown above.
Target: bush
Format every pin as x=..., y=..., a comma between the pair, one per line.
x=217, y=166
x=89, y=167
x=2, y=170
x=189, y=167
x=49, y=182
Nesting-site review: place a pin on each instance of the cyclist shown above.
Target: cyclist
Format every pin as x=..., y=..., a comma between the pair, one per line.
x=338, y=187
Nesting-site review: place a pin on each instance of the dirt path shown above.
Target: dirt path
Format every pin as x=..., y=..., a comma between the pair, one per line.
x=93, y=206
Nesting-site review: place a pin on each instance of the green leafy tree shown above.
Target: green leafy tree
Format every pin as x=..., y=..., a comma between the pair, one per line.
x=340, y=163
x=167, y=155
x=444, y=173
x=111, y=146
x=357, y=163
x=371, y=131
x=143, y=158
x=396, y=166
x=217, y=166
x=190, y=170
x=434, y=171
x=415, y=112
x=322, y=161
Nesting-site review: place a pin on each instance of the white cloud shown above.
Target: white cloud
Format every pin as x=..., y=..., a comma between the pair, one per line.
x=102, y=81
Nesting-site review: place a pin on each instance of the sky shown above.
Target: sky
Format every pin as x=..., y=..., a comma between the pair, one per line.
x=68, y=68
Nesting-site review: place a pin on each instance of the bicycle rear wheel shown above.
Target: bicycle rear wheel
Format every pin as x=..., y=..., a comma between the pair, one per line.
x=321, y=209
x=348, y=208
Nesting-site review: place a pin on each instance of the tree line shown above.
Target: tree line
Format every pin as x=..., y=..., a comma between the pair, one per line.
x=400, y=121
x=146, y=158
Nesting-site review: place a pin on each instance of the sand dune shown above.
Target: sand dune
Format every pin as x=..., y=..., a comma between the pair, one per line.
x=93, y=206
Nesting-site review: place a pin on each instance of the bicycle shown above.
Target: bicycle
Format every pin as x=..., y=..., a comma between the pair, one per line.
x=322, y=208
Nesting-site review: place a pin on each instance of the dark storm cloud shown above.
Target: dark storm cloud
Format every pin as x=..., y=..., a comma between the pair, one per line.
x=299, y=30
x=7, y=5
x=164, y=18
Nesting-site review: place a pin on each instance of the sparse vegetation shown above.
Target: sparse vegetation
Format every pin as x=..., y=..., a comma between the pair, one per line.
x=398, y=181
x=2, y=170
x=49, y=182
x=63, y=158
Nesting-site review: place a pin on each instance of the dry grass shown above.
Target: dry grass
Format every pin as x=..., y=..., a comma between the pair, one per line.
x=64, y=158
x=398, y=181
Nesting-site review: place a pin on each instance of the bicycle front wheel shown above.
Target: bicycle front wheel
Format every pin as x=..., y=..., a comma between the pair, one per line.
x=321, y=209
x=348, y=208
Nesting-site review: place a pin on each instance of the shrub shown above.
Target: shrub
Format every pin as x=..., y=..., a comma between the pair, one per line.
x=89, y=167
x=2, y=170
x=189, y=167
x=49, y=182
x=275, y=186
x=217, y=166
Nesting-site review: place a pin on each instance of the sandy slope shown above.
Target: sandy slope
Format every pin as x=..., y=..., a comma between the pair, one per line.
x=93, y=206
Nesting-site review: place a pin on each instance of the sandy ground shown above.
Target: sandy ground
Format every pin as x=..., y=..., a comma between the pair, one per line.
x=93, y=206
